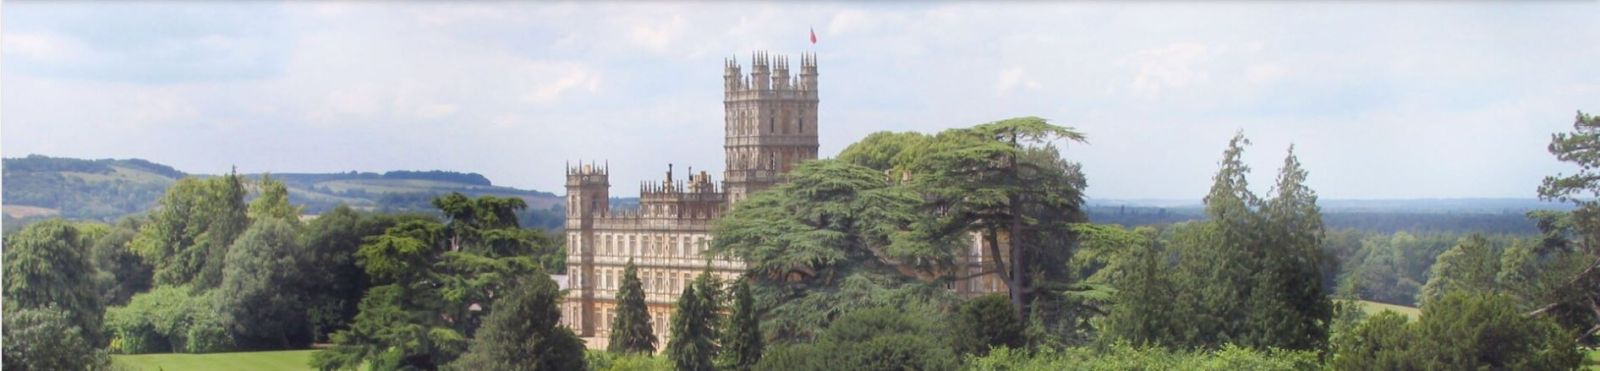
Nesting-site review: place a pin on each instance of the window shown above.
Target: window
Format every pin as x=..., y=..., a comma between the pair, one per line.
x=800, y=125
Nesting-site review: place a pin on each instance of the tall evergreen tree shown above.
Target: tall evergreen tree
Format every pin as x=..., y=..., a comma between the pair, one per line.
x=1217, y=258
x=1143, y=310
x=525, y=333
x=693, y=345
x=1287, y=305
x=630, y=329
x=741, y=343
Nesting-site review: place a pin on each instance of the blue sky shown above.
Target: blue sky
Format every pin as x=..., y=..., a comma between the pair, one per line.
x=1408, y=100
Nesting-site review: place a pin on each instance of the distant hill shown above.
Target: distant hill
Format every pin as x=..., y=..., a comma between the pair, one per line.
x=1488, y=215
x=107, y=189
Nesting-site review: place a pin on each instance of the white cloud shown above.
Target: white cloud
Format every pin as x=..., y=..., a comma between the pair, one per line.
x=1167, y=68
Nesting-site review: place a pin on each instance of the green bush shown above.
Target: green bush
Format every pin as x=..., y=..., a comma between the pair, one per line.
x=167, y=319
x=868, y=339
x=607, y=361
x=1123, y=356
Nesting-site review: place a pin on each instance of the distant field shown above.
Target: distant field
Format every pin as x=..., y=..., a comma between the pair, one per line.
x=21, y=211
x=1593, y=359
x=1372, y=307
x=279, y=360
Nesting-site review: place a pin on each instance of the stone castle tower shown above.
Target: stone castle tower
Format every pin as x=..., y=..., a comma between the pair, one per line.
x=770, y=121
x=770, y=126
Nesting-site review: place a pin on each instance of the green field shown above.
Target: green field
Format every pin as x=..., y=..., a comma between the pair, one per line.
x=279, y=360
x=1593, y=359
x=1372, y=307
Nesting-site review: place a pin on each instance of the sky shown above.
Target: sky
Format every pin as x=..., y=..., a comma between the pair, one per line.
x=1408, y=100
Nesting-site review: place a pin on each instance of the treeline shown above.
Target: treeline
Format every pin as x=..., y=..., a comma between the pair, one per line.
x=855, y=263
x=213, y=270
x=1365, y=221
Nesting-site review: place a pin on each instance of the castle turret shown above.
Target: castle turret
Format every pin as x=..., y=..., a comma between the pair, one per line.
x=771, y=123
x=588, y=198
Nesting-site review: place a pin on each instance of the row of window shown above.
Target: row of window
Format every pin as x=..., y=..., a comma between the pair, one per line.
x=657, y=281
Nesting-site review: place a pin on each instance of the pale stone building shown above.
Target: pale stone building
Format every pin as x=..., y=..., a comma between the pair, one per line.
x=770, y=124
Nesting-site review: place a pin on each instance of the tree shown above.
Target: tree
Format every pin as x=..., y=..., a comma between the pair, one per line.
x=273, y=202
x=1143, y=311
x=332, y=240
x=261, y=294
x=886, y=151
x=1459, y=331
x=432, y=287
x=1470, y=266
x=1581, y=233
x=869, y=339
x=1007, y=182
x=834, y=239
x=741, y=343
x=693, y=345
x=47, y=338
x=1287, y=305
x=188, y=234
x=986, y=322
x=630, y=329
x=121, y=273
x=47, y=265
x=525, y=332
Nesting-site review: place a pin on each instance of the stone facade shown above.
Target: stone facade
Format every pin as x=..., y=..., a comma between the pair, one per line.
x=770, y=125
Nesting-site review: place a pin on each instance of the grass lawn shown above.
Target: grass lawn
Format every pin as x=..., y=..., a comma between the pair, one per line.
x=1593, y=360
x=278, y=360
x=1372, y=307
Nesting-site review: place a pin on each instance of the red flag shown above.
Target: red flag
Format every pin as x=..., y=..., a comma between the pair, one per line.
x=813, y=36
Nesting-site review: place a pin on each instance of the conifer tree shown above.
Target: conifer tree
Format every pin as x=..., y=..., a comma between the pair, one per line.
x=1287, y=305
x=630, y=329
x=524, y=333
x=741, y=344
x=693, y=345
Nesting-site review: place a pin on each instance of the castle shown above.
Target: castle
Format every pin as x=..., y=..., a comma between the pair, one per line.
x=770, y=125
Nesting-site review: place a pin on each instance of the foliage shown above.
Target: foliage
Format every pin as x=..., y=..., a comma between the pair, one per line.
x=694, y=337
x=1007, y=182
x=263, y=291
x=120, y=273
x=433, y=284
x=608, y=361
x=1471, y=266
x=1251, y=274
x=631, y=331
x=85, y=189
x=47, y=265
x=168, y=319
x=886, y=151
x=187, y=237
x=1123, y=356
x=273, y=202
x=868, y=339
x=828, y=242
x=331, y=240
x=986, y=322
x=1458, y=331
x=47, y=338
x=742, y=343
x=525, y=332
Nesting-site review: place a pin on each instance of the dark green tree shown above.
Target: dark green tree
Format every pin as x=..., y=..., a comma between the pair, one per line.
x=262, y=295
x=832, y=240
x=1143, y=312
x=1287, y=305
x=1579, y=305
x=741, y=343
x=869, y=339
x=46, y=338
x=121, y=273
x=986, y=322
x=525, y=332
x=432, y=288
x=47, y=265
x=1007, y=182
x=693, y=344
x=631, y=331
x=1459, y=331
